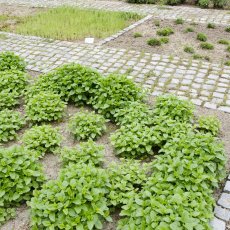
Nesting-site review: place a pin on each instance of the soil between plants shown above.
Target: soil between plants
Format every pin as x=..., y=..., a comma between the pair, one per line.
x=177, y=41
x=52, y=164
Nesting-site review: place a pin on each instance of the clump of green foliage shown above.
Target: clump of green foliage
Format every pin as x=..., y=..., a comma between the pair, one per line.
x=227, y=29
x=219, y=3
x=207, y=46
x=45, y=107
x=174, y=108
x=189, y=49
x=165, y=31
x=11, y=61
x=42, y=139
x=179, y=21
x=8, y=99
x=10, y=122
x=228, y=49
x=204, y=3
x=87, y=125
x=164, y=40
x=211, y=26
x=227, y=63
x=126, y=179
x=224, y=42
x=208, y=124
x=189, y=30
x=20, y=174
x=154, y=42
x=202, y=37
x=86, y=152
x=76, y=200
x=137, y=35
x=113, y=92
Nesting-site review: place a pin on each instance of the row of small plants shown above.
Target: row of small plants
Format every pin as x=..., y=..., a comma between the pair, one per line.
x=174, y=191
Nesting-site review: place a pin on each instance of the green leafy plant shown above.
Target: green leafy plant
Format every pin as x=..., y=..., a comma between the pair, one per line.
x=228, y=49
x=220, y=3
x=197, y=56
x=154, y=42
x=165, y=31
x=202, y=37
x=211, y=26
x=164, y=40
x=224, y=42
x=189, y=49
x=87, y=125
x=189, y=30
x=10, y=122
x=114, y=92
x=10, y=61
x=42, y=139
x=76, y=200
x=137, y=35
x=8, y=99
x=227, y=29
x=126, y=179
x=173, y=107
x=20, y=174
x=86, y=152
x=204, y=3
x=207, y=46
x=208, y=124
x=45, y=107
x=227, y=63
x=179, y=21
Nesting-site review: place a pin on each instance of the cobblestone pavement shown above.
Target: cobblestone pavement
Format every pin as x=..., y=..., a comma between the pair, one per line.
x=204, y=83
x=170, y=12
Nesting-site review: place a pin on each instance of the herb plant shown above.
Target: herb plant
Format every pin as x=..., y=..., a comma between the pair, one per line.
x=207, y=46
x=154, y=42
x=179, y=21
x=42, y=139
x=8, y=99
x=189, y=49
x=87, y=125
x=165, y=31
x=202, y=37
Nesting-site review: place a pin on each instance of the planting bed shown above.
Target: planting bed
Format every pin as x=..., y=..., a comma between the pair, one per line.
x=56, y=158
x=183, y=42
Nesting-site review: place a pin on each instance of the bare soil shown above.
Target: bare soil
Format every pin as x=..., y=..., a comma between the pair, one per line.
x=52, y=163
x=177, y=41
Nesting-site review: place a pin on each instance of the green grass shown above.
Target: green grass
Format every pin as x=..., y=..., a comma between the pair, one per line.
x=67, y=23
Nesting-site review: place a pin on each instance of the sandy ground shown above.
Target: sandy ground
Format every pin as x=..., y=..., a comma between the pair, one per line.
x=177, y=41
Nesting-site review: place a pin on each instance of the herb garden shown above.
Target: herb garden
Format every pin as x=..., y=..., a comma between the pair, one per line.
x=170, y=161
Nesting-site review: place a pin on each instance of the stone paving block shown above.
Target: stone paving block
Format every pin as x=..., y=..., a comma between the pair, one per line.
x=227, y=186
x=224, y=200
x=222, y=213
x=218, y=224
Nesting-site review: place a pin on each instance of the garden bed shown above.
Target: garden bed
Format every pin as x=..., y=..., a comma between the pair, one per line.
x=184, y=37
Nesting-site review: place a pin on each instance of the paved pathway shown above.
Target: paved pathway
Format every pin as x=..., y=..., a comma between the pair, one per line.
x=205, y=84
x=187, y=13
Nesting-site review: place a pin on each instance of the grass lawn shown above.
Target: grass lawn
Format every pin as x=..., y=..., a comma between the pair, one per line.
x=67, y=23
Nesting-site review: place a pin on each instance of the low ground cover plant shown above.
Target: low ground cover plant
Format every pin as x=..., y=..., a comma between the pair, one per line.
x=8, y=99
x=189, y=49
x=154, y=42
x=202, y=37
x=165, y=31
x=42, y=139
x=87, y=125
x=207, y=46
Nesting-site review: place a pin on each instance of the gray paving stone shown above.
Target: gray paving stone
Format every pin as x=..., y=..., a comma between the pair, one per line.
x=227, y=186
x=222, y=213
x=218, y=224
x=224, y=200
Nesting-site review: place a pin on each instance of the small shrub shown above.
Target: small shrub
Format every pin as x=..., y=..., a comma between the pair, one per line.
x=86, y=152
x=14, y=81
x=227, y=29
x=220, y=3
x=227, y=63
x=10, y=122
x=113, y=93
x=76, y=200
x=137, y=35
x=179, y=21
x=154, y=42
x=211, y=26
x=45, y=107
x=228, y=49
x=42, y=139
x=165, y=31
x=208, y=124
x=87, y=125
x=224, y=42
x=126, y=179
x=207, y=46
x=189, y=49
x=204, y=3
x=202, y=37
x=164, y=40
x=10, y=61
x=8, y=99
x=189, y=30
x=174, y=2
x=134, y=141
x=197, y=56
x=20, y=174
x=173, y=107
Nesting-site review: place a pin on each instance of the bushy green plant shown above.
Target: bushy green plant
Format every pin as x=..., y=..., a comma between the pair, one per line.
x=13, y=81
x=179, y=21
x=204, y=3
x=211, y=26
x=207, y=46
x=126, y=178
x=73, y=82
x=11, y=61
x=134, y=112
x=20, y=174
x=227, y=29
x=189, y=30
x=10, y=122
x=87, y=125
x=45, y=107
x=8, y=99
x=173, y=107
x=227, y=63
x=134, y=141
x=154, y=42
x=76, y=200
x=137, y=35
x=174, y=2
x=189, y=49
x=165, y=31
x=202, y=37
x=164, y=40
x=228, y=49
x=42, y=139
x=114, y=92
x=224, y=42
x=208, y=124
x=86, y=152
x=220, y=3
